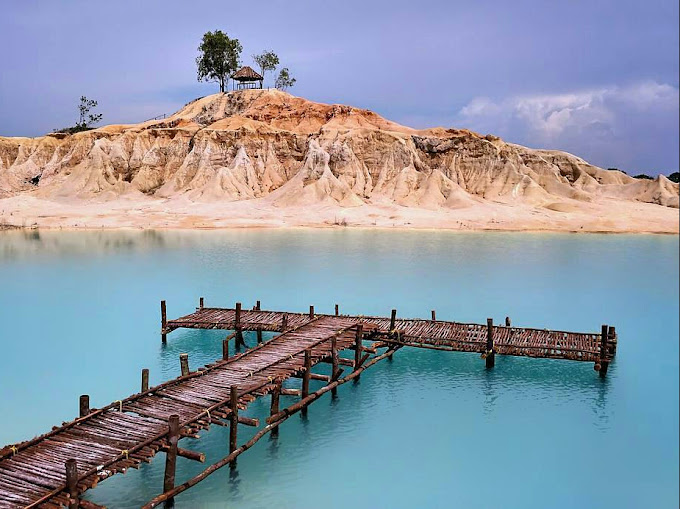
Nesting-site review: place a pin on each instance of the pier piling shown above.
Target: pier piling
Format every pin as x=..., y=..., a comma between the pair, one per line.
x=507, y=322
x=145, y=380
x=274, y=406
x=490, y=354
x=337, y=310
x=84, y=405
x=311, y=312
x=72, y=483
x=171, y=453
x=200, y=303
x=393, y=320
x=306, y=375
x=164, y=322
x=225, y=349
x=184, y=363
x=434, y=315
x=233, y=420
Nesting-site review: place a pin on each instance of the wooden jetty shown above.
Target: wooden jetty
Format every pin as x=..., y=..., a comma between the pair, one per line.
x=55, y=469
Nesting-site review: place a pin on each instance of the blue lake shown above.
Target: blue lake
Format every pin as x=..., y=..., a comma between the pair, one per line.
x=80, y=314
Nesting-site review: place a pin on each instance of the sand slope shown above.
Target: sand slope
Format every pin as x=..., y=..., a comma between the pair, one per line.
x=267, y=158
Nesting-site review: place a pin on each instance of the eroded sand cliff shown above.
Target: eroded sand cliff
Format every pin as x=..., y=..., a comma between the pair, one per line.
x=267, y=158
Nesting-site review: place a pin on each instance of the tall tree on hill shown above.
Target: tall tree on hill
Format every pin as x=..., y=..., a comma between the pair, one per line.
x=267, y=61
x=284, y=79
x=219, y=57
x=86, y=118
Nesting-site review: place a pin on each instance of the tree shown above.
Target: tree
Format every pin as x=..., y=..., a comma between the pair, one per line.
x=86, y=118
x=267, y=61
x=284, y=80
x=674, y=177
x=219, y=57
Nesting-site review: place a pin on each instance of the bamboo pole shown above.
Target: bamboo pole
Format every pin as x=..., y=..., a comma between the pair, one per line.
x=393, y=320
x=358, y=346
x=200, y=303
x=225, y=349
x=259, y=335
x=275, y=421
x=337, y=310
x=334, y=362
x=274, y=406
x=311, y=312
x=257, y=306
x=434, y=315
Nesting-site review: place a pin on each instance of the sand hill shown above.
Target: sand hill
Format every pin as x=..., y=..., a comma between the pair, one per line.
x=267, y=158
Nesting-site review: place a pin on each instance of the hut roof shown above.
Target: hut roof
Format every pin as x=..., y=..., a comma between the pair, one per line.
x=246, y=73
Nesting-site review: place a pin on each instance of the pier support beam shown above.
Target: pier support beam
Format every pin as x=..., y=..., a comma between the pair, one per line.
x=334, y=363
x=237, y=326
x=393, y=320
x=257, y=306
x=84, y=405
x=184, y=363
x=274, y=406
x=305, y=378
x=337, y=310
x=164, y=322
x=72, y=483
x=358, y=348
x=200, y=303
x=507, y=322
x=145, y=380
x=171, y=454
x=233, y=421
x=259, y=335
x=311, y=312
x=434, y=315
x=284, y=322
x=490, y=354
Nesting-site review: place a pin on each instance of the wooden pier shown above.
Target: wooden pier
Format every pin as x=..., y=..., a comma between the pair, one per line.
x=55, y=469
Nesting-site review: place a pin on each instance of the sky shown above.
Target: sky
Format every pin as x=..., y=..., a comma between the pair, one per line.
x=598, y=79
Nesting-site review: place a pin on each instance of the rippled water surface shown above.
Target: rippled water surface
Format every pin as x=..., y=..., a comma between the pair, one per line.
x=79, y=314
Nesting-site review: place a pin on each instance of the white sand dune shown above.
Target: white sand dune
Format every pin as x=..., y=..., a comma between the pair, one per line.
x=267, y=158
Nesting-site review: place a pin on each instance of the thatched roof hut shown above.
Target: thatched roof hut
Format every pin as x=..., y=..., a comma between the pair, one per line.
x=247, y=78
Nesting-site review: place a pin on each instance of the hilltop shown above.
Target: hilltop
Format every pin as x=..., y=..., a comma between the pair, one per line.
x=267, y=158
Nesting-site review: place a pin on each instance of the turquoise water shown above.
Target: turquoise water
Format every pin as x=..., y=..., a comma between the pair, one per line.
x=79, y=314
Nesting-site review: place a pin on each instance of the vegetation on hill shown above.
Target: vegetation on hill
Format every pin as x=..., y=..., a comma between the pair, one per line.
x=86, y=120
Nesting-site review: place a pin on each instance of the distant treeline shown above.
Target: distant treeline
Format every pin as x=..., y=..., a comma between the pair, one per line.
x=673, y=177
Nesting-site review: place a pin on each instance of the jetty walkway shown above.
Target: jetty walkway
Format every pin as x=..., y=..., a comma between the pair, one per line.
x=55, y=469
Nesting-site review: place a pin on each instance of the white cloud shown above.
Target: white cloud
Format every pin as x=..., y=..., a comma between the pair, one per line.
x=611, y=125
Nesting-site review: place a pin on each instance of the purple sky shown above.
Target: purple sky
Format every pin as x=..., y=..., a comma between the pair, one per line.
x=596, y=78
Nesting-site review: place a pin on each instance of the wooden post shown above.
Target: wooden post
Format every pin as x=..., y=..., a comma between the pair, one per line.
x=358, y=346
x=490, y=355
x=233, y=421
x=434, y=315
x=259, y=335
x=305, y=377
x=184, y=363
x=257, y=305
x=334, y=362
x=84, y=405
x=237, y=326
x=284, y=322
x=171, y=454
x=311, y=312
x=164, y=322
x=507, y=322
x=200, y=303
x=337, y=310
x=145, y=379
x=274, y=407
x=72, y=483
x=225, y=349
x=604, y=362
x=393, y=320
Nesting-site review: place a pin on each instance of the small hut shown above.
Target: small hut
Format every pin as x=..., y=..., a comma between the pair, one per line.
x=246, y=77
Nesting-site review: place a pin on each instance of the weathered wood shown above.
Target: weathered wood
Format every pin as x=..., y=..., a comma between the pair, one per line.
x=259, y=335
x=233, y=417
x=257, y=306
x=604, y=361
x=337, y=310
x=145, y=379
x=358, y=346
x=306, y=375
x=186, y=453
x=490, y=354
x=184, y=363
x=200, y=303
x=311, y=312
x=274, y=406
x=507, y=322
x=84, y=405
x=393, y=319
x=171, y=454
x=334, y=362
x=72, y=483
x=225, y=349
x=284, y=322
x=434, y=315
x=164, y=322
